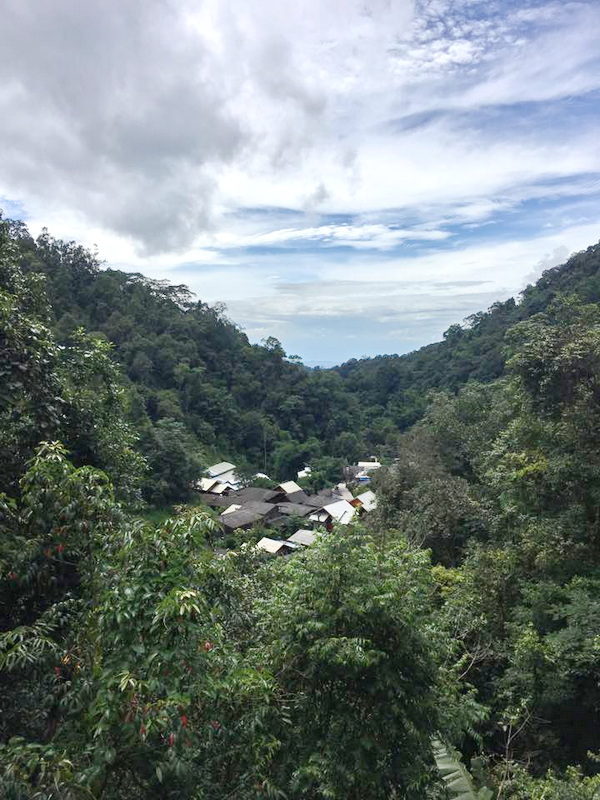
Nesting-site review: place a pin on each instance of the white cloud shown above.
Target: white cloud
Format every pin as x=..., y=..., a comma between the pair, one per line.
x=156, y=128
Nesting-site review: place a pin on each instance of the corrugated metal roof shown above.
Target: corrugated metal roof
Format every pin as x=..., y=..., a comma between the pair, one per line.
x=260, y=508
x=368, y=500
x=254, y=493
x=231, y=509
x=216, y=500
x=240, y=519
x=320, y=499
x=289, y=487
x=274, y=546
x=344, y=492
x=219, y=469
x=206, y=484
x=341, y=511
x=294, y=509
x=303, y=537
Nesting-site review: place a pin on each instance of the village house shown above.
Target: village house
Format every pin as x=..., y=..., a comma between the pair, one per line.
x=303, y=537
x=225, y=473
x=275, y=547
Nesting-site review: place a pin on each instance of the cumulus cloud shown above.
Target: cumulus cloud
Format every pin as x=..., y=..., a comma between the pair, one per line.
x=212, y=139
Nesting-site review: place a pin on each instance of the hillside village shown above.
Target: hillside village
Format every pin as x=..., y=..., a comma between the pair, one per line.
x=245, y=507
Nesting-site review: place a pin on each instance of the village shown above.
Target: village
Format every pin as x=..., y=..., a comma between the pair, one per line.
x=246, y=507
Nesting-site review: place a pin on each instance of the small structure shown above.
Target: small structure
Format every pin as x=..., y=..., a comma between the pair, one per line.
x=241, y=518
x=216, y=500
x=342, y=490
x=320, y=517
x=361, y=471
x=225, y=472
x=303, y=537
x=321, y=499
x=294, y=509
x=341, y=512
x=231, y=509
x=304, y=473
x=289, y=487
x=275, y=547
x=367, y=500
x=255, y=494
x=369, y=466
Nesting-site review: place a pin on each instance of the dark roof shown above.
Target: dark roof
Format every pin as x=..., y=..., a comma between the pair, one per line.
x=253, y=493
x=260, y=508
x=321, y=499
x=296, y=497
x=215, y=500
x=295, y=509
x=240, y=519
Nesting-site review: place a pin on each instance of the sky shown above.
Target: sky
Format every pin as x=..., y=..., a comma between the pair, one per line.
x=351, y=177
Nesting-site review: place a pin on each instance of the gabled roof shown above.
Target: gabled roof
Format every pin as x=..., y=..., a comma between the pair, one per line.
x=289, y=487
x=216, y=501
x=206, y=484
x=274, y=546
x=230, y=510
x=321, y=498
x=254, y=493
x=240, y=519
x=368, y=500
x=297, y=497
x=341, y=511
x=220, y=469
x=260, y=508
x=303, y=537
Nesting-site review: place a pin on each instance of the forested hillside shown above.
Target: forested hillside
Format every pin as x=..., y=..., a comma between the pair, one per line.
x=461, y=617
x=198, y=391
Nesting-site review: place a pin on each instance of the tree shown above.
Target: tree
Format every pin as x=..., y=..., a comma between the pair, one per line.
x=346, y=633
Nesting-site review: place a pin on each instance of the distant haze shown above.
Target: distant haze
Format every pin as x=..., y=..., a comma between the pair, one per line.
x=350, y=177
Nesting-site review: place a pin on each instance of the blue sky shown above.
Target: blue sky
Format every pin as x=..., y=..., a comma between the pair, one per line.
x=351, y=177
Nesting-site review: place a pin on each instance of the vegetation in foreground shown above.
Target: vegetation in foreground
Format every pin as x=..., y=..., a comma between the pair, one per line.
x=464, y=618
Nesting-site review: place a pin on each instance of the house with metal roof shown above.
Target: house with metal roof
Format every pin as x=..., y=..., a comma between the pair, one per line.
x=303, y=537
x=294, y=509
x=340, y=512
x=289, y=487
x=225, y=472
x=367, y=500
x=275, y=547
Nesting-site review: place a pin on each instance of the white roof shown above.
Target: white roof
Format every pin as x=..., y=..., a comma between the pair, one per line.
x=319, y=516
x=341, y=511
x=368, y=500
x=366, y=465
x=230, y=509
x=272, y=545
x=206, y=484
x=289, y=487
x=262, y=475
x=303, y=537
x=344, y=492
x=217, y=470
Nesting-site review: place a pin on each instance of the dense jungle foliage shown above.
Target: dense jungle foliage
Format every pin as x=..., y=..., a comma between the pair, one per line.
x=463, y=616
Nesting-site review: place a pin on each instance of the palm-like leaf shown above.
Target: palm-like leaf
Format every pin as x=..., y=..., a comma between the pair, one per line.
x=455, y=775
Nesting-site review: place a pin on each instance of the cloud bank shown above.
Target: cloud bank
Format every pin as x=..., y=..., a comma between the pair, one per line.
x=339, y=161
